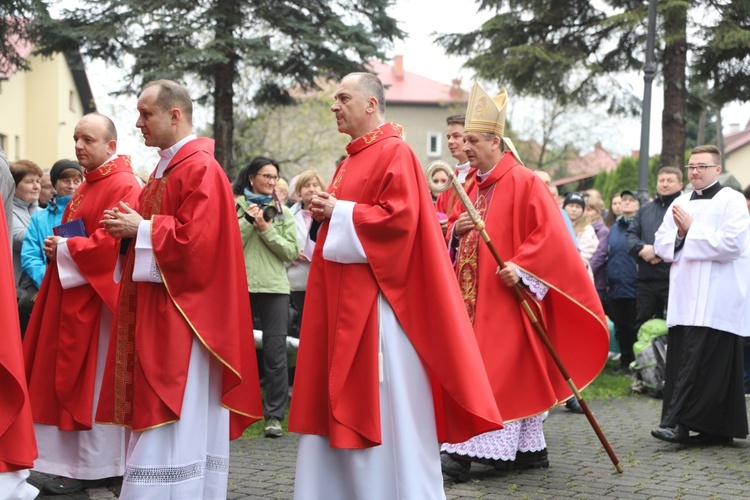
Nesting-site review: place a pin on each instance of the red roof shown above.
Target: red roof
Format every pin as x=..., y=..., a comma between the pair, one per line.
x=594, y=162
x=24, y=48
x=736, y=140
x=407, y=88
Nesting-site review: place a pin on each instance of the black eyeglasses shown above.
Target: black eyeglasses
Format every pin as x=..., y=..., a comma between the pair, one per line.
x=270, y=177
x=701, y=167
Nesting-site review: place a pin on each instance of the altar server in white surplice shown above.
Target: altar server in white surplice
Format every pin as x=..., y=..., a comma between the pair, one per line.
x=706, y=236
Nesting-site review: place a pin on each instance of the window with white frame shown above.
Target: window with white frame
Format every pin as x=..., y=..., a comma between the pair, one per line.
x=434, y=143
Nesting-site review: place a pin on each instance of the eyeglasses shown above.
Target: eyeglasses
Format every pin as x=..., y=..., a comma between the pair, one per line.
x=700, y=167
x=270, y=177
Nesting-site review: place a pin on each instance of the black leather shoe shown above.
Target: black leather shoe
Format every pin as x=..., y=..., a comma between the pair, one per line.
x=456, y=468
x=61, y=485
x=531, y=460
x=676, y=434
x=573, y=405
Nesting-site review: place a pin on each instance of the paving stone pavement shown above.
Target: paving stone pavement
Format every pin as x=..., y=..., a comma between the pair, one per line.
x=579, y=466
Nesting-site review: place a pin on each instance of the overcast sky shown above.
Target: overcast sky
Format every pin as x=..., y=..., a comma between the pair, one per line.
x=421, y=19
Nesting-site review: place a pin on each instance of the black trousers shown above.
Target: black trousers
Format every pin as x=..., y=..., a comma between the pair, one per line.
x=273, y=311
x=622, y=313
x=651, y=301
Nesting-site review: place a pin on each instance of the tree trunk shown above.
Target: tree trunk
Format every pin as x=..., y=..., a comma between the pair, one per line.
x=224, y=75
x=702, y=119
x=227, y=16
x=720, y=137
x=674, y=59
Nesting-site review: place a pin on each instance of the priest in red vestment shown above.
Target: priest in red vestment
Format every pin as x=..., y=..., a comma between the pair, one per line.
x=525, y=226
x=17, y=443
x=68, y=333
x=181, y=370
x=387, y=364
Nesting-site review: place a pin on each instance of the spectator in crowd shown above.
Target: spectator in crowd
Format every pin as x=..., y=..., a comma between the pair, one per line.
x=593, y=194
x=705, y=236
x=66, y=176
x=180, y=371
x=47, y=189
x=525, y=226
x=65, y=347
x=293, y=198
x=547, y=180
x=653, y=273
x=439, y=178
x=622, y=280
x=598, y=262
x=282, y=192
x=575, y=206
x=464, y=173
x=269, y=240
x=309, y=183
x=28, y=176
x=615, y=210
x=380, y=377
x=17, y=443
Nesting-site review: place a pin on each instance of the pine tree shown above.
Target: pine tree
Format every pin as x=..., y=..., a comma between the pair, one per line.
x=19, y=23
x=574, y=51
x=280, y=45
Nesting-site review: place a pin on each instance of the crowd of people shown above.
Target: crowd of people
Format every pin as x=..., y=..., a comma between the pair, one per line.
x=129, y=307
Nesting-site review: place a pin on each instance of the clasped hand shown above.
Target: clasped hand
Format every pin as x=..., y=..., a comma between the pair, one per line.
x=122, y=221
x=322, y=206
x=682, y=219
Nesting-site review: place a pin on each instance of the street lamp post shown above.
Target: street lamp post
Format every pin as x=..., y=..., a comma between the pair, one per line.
x=649, y=70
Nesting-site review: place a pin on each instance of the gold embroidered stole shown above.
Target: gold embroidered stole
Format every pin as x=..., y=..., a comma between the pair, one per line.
x=126, y=357
x=467, y=262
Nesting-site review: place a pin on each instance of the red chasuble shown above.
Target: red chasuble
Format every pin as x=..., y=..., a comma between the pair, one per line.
x=336, y=385
x=17, y=441
x=61, y=342
x=196, y=243
x=526, y=227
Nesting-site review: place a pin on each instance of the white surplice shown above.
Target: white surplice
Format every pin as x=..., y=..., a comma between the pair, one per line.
x=13, y=486
x=92, y=454
x=407, y=463
x=708, y=280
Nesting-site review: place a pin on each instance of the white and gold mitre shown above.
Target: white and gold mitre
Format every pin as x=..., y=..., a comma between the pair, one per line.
x=485, y=114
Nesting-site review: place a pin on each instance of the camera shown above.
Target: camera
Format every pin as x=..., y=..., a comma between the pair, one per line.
x=268, y=211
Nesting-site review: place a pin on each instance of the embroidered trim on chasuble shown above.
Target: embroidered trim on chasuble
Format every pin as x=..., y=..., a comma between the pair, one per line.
x=92, y=176
x=468, y=267
x=73, y=205
x=126, y=356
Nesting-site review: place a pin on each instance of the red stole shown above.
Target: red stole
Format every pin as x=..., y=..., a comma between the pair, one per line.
x=17, y=441
x=196, y=243
x=61, y=342
x=336, y=386
x=526, y=227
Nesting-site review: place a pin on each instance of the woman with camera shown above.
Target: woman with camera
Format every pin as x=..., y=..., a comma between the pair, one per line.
x=269, y=240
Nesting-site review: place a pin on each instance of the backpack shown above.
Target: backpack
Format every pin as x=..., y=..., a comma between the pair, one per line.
x=650, y=358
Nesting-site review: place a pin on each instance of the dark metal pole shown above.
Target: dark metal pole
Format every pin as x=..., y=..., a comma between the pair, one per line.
x=649, y=70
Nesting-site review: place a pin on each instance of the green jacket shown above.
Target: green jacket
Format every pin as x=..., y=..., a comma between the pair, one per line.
x=267, y=252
